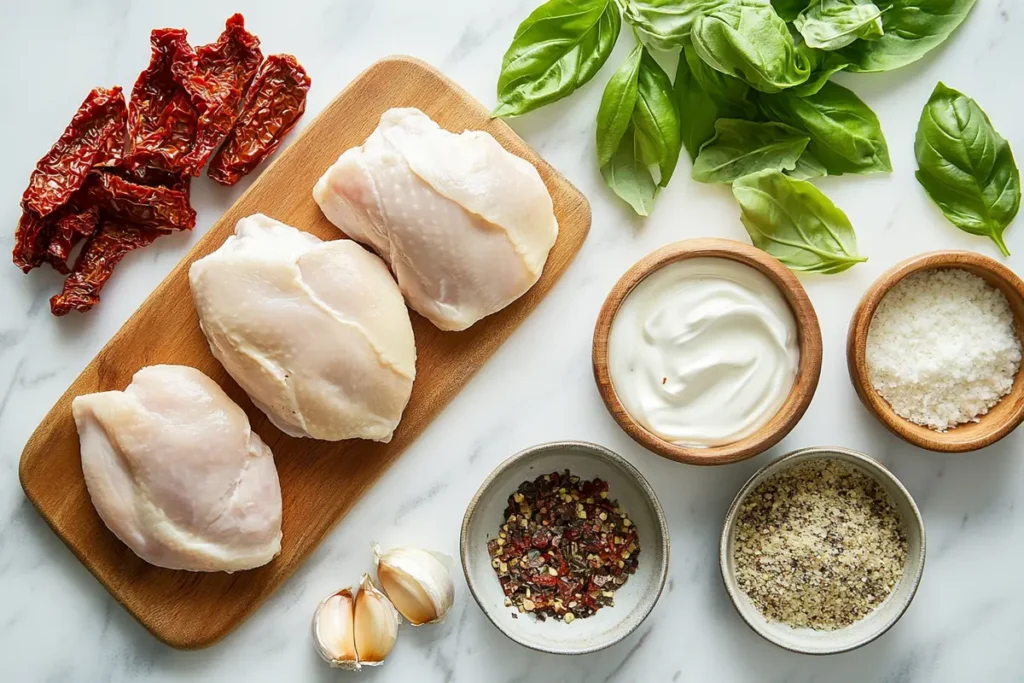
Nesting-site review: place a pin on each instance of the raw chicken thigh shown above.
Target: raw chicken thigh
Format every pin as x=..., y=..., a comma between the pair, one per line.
x=315, y=332
x=465, y=225
x=175, y=472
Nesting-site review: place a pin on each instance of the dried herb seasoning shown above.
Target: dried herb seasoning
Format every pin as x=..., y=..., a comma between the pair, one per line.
x=564, y=549
x=819, y=545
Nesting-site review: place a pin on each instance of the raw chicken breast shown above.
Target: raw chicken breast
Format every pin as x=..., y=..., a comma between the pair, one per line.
x=315, y=332
x=465, y=225
x=175, y=472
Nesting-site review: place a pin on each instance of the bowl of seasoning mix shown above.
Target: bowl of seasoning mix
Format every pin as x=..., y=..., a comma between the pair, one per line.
x=565, y=547
x=822, y=551
x=707, y=351
x=934, y=350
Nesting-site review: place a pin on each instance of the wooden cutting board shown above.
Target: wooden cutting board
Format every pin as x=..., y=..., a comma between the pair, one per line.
x=320, y=481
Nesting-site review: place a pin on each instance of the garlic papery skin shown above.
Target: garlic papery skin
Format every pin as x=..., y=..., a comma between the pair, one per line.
x=376, y=624
x=418, y=582
x=334, y=630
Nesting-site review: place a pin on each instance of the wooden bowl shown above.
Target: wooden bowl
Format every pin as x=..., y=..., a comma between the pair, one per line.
x=1002, y=419
x=809, y=338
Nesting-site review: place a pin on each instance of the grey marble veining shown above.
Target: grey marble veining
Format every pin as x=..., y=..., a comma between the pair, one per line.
x=58, y=624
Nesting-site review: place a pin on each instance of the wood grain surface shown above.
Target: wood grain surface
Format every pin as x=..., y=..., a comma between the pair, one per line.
x=809, y=338
x=320, y=481
x=1004, y=417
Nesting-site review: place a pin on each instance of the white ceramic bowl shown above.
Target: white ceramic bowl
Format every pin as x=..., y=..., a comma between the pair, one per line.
x=633, y=601
x=809, y=641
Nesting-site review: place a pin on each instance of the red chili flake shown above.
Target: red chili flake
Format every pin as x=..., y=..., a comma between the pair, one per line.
x=273, y=105
x=95, y=265
x=216, y=77
x=155, y=206
x=69, y=230
x=161, y=119
x=95, y=136
x=564, y=549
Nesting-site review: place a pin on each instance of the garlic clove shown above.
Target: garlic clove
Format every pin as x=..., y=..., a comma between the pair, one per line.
x=376, y=624
x=418, y=582
x=334, y=630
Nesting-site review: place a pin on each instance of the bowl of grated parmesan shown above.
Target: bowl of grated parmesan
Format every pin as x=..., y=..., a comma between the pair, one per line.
x=934, y=351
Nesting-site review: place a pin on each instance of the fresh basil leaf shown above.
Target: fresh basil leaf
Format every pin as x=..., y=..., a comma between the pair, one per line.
x=823, y=65
x=617, y=104
x=796, y=223
x=740, y=148
x=559, y=47
x=845, y=134
x=697, y=111
x=747, y=39
x=912, y=28
x=789, y=9
x=966, y=167
x=665, y=24
x=807, y=167
x=834, y=24
x=733, y=97
x=656, y=118
x=629, y=177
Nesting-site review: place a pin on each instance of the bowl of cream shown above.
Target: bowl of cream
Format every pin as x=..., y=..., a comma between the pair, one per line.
x=707, y=351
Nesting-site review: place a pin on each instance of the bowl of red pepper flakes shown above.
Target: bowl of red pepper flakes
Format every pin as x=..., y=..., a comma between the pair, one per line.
x=565, y=547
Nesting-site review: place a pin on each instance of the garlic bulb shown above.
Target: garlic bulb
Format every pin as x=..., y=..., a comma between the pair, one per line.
x=418, y=583
x=334, y=630
x=376, y=624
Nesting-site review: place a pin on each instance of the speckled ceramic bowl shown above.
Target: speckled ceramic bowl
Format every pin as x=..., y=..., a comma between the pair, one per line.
x=633, y=601
x=809, y=641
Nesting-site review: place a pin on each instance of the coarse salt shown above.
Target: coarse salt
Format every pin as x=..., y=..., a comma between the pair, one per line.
x=942, y=349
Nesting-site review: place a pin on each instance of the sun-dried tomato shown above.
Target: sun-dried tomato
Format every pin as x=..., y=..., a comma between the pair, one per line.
x=216, y=77
x=30, y=240
x=95, y=264
x=95, y=136
x=68, y=230
x=276, y=100
x=161, y=119
x=148, y=206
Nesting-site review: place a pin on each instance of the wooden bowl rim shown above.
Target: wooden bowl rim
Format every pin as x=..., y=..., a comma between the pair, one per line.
x=856, y=352
x=809, y=339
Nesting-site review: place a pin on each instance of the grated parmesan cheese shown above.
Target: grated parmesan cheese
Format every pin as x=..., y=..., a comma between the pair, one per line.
x=942, y=349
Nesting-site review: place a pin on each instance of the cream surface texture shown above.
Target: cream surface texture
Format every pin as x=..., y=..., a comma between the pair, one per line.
x=703, y=351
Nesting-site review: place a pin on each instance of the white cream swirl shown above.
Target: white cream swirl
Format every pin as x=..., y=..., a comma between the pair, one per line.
x=703, y=351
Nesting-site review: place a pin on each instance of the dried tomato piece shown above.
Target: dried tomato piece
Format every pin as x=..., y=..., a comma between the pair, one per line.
x=95, y=136
x=216, y=76
x=161, y=119
x=276, y=100
x=68, y=230
x=143, y=205
x=153, y=177
x=95, y=264
x=30, y=240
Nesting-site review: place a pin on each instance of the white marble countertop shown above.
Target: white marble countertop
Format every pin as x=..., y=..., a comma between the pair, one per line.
x=58, y=624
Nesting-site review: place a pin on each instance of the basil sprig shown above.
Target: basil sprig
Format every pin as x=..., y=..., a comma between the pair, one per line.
x=966, y=167
x=559, y=47
x=637, y=128
x=796, y=223
x=752, y=100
